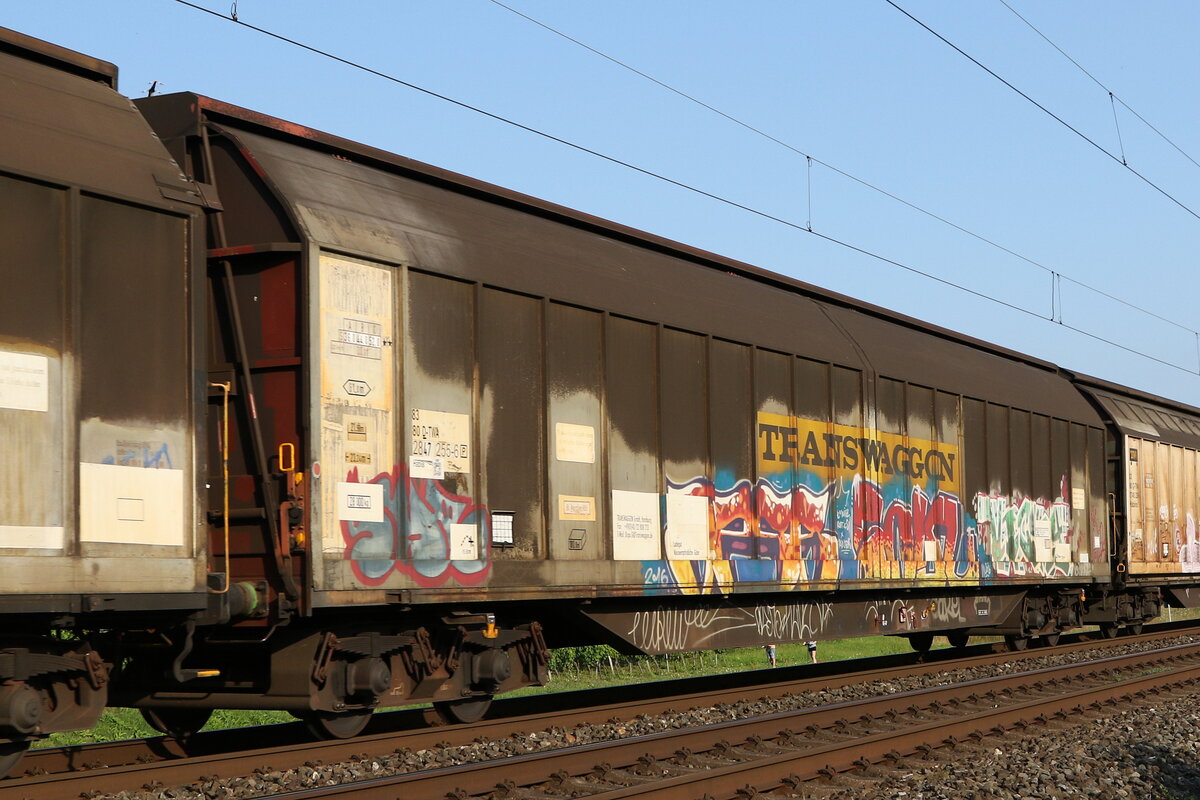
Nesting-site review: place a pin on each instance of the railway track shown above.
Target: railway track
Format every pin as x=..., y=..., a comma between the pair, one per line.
x=779, y=753
x=73, y=771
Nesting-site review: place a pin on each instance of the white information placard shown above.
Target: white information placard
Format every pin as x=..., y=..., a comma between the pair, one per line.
x=360, y=502
x=24, y=381
x=1042, y=550
x=687, y=527
x=426, y=467
x=1078, y=499
x=464, y=542
x=575, y=443
x=636, y=530
x=575, y=508
x=442, y=435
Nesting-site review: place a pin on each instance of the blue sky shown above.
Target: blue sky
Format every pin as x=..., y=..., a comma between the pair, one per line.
x=855, y=84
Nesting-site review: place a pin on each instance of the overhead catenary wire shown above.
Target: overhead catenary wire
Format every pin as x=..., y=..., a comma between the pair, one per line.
x=671, y=181
x=1047, y=111
x=811, y=159
x=1112, y=95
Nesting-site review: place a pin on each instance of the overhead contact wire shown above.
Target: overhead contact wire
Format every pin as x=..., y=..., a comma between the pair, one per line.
x=1046, y=110
x=660, y=177
x=1099, y=83
x=811, y=159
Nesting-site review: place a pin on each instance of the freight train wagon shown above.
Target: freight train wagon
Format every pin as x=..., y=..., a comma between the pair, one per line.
x=290, y=422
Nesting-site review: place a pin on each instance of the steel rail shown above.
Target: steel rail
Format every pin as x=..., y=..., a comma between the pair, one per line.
x=908, y=742
x=480, y=779
x=226, y=754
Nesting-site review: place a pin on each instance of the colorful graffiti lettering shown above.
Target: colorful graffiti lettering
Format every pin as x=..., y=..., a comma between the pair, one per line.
x=832, y=503
x=916, y=535
x=415, y=537
x=1023, y=536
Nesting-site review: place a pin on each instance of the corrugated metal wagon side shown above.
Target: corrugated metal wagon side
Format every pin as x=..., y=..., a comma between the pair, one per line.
x=469, y=424
x=98, y=388
x=1153, y=462
x=508, y=401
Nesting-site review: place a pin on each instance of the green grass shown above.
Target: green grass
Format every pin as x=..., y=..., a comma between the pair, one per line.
x=127, y=723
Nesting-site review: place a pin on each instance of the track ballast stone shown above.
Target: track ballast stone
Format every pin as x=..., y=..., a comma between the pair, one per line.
x=1147, y=753
x=1005, y=769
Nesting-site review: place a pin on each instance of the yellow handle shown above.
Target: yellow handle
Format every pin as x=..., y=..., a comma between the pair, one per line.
x=225, y=389
x=288, y=464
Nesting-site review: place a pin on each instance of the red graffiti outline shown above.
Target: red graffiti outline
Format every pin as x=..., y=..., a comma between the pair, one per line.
x=415, y=487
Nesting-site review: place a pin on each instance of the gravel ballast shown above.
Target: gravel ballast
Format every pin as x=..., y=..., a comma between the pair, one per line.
x=1161, y=747
x=1145, y=753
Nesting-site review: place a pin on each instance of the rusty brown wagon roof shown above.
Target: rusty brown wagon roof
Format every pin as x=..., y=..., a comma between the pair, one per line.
x=68, y=126
x=327, y=180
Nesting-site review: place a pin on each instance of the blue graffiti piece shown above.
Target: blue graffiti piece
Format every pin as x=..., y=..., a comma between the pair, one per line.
x=781, y=483
x=657, y=578
x=426, y=537
x=768, y=547
x=735, y=546
x=429, y=528
x=155, y=460
x=725, y=480
x=848, y=570
x=109, y=460
x=376, y=550
x=755, y=569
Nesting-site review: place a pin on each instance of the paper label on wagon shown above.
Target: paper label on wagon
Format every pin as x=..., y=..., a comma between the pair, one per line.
x=572, y=507
x=575, y=443
x=687, y=527
x=464, y=542
x=433, y=469
x=24, y=381
x=444, y=436
x=636, y=531
x=360, y=502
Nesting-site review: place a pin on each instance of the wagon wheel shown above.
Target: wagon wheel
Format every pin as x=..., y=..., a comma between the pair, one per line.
x=177, y=722
x=11, y=754
x=958, y=638
x=1017, y=643
x=454, y=712
x=921, y=642
x=1134, y=628
x=336, y=724
x=1108, y=630
x=1050, y=639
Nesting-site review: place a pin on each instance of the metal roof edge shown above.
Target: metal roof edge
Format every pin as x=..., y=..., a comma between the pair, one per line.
x=264, y=123
x=53, y=55
x=1136, y=394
